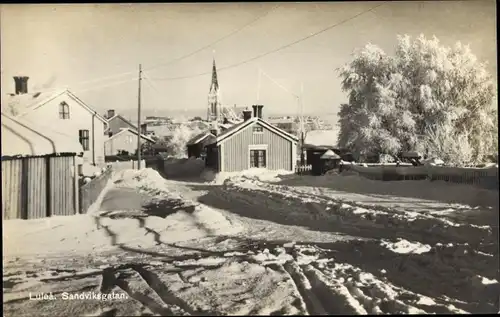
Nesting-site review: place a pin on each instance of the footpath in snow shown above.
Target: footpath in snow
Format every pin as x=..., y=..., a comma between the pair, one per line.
x=255, y=243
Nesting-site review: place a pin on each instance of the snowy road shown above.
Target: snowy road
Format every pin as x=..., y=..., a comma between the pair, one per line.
x=251, y=246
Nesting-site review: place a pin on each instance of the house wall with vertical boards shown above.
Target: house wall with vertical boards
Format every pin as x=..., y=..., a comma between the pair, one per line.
x=235, y=150
x=37, y=187
x=79, y=119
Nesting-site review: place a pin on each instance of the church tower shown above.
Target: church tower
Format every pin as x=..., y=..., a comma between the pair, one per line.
x=214, y=107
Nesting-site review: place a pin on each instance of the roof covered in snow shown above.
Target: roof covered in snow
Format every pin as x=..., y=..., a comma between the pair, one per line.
x=330, y=155
x=19, y=105
x=119, y=116
x=240, y=126
x=321, y=137
x=25, y=138
x=130, y=131
x=199, y=137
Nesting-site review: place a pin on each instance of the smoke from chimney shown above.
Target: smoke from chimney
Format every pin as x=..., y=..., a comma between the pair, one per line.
x=21, y=83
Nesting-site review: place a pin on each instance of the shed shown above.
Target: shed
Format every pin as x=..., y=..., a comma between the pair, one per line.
x=253, y=143
x=39, y=170
x=196, y=146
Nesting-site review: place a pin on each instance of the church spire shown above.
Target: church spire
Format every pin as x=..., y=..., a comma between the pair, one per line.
x=214, y=86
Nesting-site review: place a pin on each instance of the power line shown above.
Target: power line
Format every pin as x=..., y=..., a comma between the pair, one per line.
x=275, y=50
x=105, y=85
x=215, y=42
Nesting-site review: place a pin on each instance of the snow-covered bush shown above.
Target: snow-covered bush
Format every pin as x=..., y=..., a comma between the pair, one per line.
x=426, y=97
x=179, y=138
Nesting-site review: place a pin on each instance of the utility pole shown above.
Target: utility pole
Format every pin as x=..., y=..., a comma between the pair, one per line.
x=302, y=136
x=139, y=120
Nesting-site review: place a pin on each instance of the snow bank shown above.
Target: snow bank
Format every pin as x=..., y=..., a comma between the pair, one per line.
x=405, y=247
x=435, y=191
x=90, y=170
x=260, y=174
x=98, y=231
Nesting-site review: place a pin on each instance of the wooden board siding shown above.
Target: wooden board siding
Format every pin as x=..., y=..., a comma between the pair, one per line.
x=235, y=150
x=11, y=189
x=62, y=193
x=37, y=187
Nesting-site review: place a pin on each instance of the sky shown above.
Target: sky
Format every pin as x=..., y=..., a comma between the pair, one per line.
x=95, y=50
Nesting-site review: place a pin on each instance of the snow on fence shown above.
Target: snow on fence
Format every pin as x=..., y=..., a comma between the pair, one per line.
x=482, y=177
x=303, y=169
x=124, y=165
x=88, y=193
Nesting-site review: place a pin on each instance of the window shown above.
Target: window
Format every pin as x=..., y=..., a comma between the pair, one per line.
x=258, y=129
x=258, y=158
x=63, y=110
x=83, y=136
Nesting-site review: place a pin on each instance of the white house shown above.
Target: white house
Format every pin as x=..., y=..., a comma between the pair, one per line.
x=63, y=111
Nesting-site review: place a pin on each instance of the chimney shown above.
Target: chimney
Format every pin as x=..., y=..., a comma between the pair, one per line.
x=21, y=84
x=111, y=113
x=213, y=131
x=254, y=107
x=247, y=114
x=259, y=111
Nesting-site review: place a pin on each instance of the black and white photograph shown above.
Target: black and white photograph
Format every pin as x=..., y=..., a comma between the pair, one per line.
x=249, y=158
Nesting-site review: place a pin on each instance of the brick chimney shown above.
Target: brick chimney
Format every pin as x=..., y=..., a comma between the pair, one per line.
x=247, y=114
x=213, y=131
x=254, y=107
x=259, y=111
x=111, y=113
x=21, y=84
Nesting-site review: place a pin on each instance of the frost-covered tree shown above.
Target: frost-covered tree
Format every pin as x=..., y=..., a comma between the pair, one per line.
x=398, y=102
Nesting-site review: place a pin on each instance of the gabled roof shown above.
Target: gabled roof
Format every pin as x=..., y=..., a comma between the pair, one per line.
x=32, y=101
x=330, y=155
x=243, y=125
x=199, y=138
x=119, y=116
x=25, y=138
x=125, y=130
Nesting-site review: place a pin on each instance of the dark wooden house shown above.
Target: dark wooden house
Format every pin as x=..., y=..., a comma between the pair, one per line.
x=196, y=146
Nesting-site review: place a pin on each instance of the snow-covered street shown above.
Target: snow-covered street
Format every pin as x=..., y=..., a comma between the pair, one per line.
x=260, y=244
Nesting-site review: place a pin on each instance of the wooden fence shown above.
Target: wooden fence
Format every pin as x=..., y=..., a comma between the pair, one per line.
x=88, y=193
x=38, y=187
x=303, y=169
x=482, y=177
x=123, y=165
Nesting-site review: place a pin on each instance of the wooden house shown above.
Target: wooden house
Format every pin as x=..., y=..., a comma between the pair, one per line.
x=125, y=140
x=39, y=170
x=196, y=146
x=65, y=112
x=253, y=143
x=117, y=122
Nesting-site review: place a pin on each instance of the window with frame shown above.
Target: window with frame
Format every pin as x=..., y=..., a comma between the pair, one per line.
x=83, y=136
x=258, y=158
x=63, y=110
x=257, y=129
